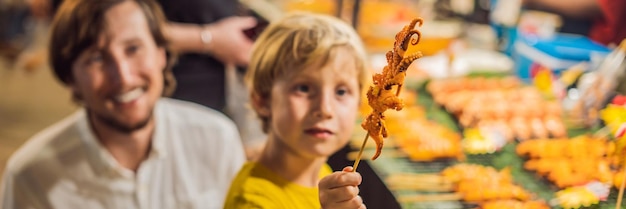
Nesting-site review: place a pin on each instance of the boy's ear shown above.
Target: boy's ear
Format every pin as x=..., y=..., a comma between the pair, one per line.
x=260, y=105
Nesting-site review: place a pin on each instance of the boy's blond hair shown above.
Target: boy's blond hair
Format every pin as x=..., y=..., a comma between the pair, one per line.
x=296, y=41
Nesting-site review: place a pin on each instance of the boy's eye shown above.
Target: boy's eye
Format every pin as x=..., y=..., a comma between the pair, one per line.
x=342, y=92
x=302, y=88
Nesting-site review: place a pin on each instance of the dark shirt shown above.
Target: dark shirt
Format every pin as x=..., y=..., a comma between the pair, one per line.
x=200, y=77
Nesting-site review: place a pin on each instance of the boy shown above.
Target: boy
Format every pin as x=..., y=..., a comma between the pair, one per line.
x=306, y=77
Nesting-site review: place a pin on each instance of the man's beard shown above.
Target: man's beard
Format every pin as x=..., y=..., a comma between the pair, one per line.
x=121, y=127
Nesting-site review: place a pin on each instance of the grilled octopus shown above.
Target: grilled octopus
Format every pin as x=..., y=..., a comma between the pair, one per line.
x=380, y=95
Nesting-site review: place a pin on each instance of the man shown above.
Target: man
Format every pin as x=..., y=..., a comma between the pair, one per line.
x=128, y=147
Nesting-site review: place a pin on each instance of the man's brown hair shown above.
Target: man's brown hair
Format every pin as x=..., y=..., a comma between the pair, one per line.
x=78, y=25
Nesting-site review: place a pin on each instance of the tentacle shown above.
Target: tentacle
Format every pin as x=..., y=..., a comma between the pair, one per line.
x=416, y=40
x=409, y=31
x=379, y=147
x=389, y=56
x=415, y=21
x=406, y=62
x=408, y=39
x=378, y=138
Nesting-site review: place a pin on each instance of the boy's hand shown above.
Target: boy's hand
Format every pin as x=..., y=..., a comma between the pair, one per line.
x=341, y=190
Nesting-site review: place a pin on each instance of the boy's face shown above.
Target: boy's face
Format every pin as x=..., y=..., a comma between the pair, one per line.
x=121, y=77
x=313, y=111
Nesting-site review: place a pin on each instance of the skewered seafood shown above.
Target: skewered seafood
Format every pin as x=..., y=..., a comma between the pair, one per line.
x=576, y=197
x=514, y=204
x=381, y=95
x=569, y=162
x=421, y=139
x=478, y=183
x=566, y=172
x=579, y=147
x=474, y=100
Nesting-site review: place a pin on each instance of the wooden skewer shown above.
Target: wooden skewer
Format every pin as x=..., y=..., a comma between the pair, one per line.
x=429, y=197
x=621, y=191
x=421, y=187
x=388, y=153
x=389, y=143
x=358, y=159
x=419, y=184
x=399, y=88
x=424, y=178
x=422, y=182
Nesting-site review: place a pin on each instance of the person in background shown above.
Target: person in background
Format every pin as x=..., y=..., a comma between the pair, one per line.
x=214, y=49
x=306, y=78
x=13, y=18
x=608, y=17
x=127, y=147
x=209, y=36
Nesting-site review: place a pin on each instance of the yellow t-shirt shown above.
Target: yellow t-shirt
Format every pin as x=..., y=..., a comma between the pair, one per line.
x=256, y=186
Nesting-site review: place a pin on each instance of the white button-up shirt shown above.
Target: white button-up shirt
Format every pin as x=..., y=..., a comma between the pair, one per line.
x=195, y=154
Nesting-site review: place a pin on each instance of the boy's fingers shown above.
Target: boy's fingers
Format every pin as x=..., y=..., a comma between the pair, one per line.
x=356, y=202
x=342, y=194
x=363, y=206
x=347, y=169
x=340, y=179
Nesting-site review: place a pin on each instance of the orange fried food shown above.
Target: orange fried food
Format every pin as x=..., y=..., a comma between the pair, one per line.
x=384, y=93
x=579, y=147
x=569, y=162
x=514, y=204
x=464, y=171
x=478, y=190
x=555, y=126
x=424, y=140
x=565, y=172
x=375, y=126
x=522, y=110
x=478, y=183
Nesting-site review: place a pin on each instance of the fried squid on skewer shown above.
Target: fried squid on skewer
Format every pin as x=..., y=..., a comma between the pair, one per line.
x=383, y=94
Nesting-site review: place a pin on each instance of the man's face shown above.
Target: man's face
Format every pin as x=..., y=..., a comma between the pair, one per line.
x=120, y=78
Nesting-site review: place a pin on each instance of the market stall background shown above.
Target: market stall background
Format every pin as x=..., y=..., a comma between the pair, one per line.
x=460, y=38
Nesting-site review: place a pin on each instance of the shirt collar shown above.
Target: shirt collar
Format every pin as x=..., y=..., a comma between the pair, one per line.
x=101, y=159
x=160, y=132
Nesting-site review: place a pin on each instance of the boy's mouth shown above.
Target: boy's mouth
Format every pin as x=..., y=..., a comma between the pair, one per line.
x=319, y=132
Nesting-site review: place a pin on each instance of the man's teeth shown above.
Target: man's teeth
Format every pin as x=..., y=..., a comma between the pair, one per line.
x=129, y=96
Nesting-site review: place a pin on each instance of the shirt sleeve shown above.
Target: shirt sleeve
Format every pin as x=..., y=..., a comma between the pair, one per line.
x=235, y=147
x=6, y=194
x=15, y=192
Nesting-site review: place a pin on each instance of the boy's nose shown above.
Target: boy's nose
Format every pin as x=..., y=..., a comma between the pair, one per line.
x=324, y=107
